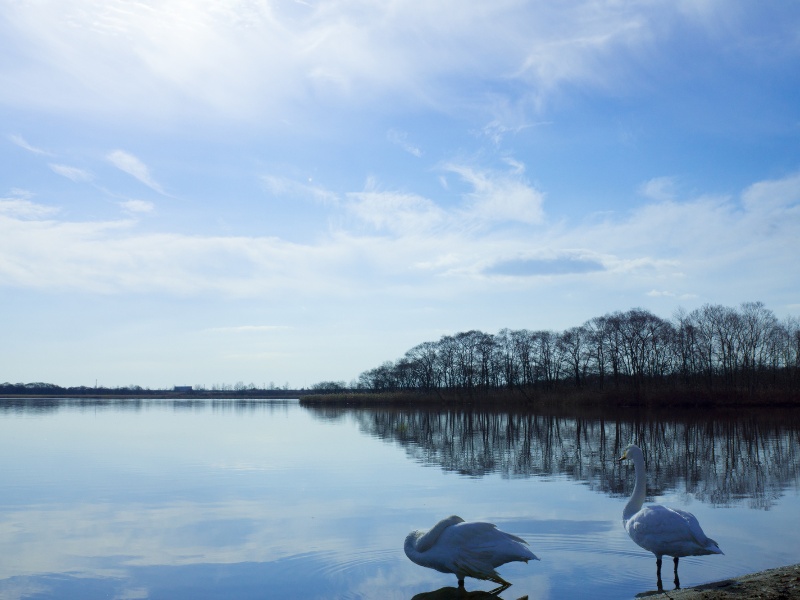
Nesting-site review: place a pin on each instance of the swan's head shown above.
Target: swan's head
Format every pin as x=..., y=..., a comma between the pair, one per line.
x=631, y=452
x=414, y=535
x=411, y=540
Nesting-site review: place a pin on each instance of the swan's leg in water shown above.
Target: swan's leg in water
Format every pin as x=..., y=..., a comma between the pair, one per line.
x=677, y=581
x=658, y=574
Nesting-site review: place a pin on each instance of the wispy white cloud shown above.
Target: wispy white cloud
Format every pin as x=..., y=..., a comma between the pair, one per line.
x=661, y=294
x=670, y=294
x=498, y=197
x=22, y=208
x=248, y=329
x=510, y=115
x=134, y=167
x=773, y=196
x=22, y=143
x=684, y=247
x=400, y=138
x=241, y=59
x=137, y=206
x=517, y=167
x=495, y=197
x=659, y=189
x=396, y=212
x=113, y=256
x=306, y=190
x=75, y=174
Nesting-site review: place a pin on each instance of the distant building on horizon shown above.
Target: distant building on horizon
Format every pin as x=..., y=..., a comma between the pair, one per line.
x=182, y=388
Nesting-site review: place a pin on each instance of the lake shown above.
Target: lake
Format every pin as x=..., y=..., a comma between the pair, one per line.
x=136, y=499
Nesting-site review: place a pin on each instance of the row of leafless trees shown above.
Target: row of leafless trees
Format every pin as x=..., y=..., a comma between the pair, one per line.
x=716, y=347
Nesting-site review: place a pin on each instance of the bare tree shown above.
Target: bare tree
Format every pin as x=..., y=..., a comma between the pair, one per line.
x=712, y=346
x=573, y=346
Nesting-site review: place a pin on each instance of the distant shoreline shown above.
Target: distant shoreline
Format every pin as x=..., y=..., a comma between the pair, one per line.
x=517, y=399
x=283, y=395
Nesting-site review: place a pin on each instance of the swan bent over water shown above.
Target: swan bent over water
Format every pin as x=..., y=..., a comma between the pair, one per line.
x=660, y=529
x=466, y=549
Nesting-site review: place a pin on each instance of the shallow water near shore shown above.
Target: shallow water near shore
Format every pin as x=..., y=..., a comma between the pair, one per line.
x=260, y=499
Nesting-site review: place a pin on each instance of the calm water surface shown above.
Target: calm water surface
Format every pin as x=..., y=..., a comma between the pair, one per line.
x=267, y=499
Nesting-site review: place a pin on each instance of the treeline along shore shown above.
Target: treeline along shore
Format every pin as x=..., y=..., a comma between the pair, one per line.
x=712, y=356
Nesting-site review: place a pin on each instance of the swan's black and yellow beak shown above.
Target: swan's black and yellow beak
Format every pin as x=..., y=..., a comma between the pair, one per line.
x=623, y=457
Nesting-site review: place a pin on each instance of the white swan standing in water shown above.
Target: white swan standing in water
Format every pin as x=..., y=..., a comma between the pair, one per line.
x=659, y=529
x=466, y=549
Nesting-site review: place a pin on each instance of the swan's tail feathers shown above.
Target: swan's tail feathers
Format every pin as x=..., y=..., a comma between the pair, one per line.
x=525, y=555
x=713, y=547
x=532, y=557
x=520, y=548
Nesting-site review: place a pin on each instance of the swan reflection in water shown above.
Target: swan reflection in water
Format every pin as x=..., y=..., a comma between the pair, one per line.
x=467, y=549
x=459, y=593
x=659, y=529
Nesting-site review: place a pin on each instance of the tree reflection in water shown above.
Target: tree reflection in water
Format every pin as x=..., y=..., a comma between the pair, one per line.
x=719, y=458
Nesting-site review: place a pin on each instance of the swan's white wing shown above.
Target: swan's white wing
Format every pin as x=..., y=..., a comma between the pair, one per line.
x=478, y=548
x=663, y=530
x=697, y=532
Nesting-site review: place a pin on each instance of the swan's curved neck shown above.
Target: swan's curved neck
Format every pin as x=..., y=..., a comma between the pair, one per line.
x=639, y=489
x=424, y=541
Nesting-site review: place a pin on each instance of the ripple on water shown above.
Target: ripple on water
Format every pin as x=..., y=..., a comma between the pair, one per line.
x=608, y=559
x=329, y=563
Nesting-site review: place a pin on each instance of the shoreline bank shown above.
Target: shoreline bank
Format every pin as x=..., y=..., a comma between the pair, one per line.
x=780, y=583
x=593, y=400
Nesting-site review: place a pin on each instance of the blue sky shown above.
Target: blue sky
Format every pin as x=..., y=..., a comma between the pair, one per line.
x=210, y=192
